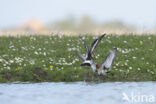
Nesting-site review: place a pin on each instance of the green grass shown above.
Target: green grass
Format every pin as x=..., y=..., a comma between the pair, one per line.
x=28, y=58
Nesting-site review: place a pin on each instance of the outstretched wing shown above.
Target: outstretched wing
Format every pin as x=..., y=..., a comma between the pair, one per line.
x=85, y=43
x=110, y=59
x=95, y=43
x=81, y=56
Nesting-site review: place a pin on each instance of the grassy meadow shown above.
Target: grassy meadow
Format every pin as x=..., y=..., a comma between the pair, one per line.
x=53, y=58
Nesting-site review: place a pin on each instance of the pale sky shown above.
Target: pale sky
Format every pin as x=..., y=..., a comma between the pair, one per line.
x=141, y=13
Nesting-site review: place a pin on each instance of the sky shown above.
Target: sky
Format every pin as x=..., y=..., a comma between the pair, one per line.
x=140, y=13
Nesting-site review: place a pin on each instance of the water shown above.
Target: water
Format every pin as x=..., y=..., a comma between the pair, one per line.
x=77, y=93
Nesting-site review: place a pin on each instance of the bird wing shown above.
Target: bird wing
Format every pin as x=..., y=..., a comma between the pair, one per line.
x=95, y=43
x=81, y=56
x=85, y=43
x=110, y=59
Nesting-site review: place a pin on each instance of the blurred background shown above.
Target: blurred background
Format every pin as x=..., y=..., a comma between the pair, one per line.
x=70, y=17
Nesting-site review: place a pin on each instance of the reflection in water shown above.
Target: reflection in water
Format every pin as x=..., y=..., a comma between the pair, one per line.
x=78, y=93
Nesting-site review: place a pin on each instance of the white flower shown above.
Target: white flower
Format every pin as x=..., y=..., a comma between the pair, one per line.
x=130, y=67
x=127, y=60
x=149, y=38
x=36, y=52
x=32, y=62
x=18, y=59
x=152, y=72
x=46, y=42
x=44, y=54
x=125, y=63
x=71, y=49
x=142, y=58
x=138, y=68
x=116, y=69
x=11, y=61
x=125, y=41
x=8, y=68
x=1, y=60
x=39, y=49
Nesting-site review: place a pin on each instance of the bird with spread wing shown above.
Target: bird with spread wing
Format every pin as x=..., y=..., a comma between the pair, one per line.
x=103, y=68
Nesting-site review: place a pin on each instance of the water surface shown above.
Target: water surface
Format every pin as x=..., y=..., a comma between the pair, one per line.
x=76, y=93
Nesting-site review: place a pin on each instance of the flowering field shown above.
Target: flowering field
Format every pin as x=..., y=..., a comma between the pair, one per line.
x=53, y=58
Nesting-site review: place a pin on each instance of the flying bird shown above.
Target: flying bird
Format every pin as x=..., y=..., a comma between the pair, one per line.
x=88, y=59
x=103, y=68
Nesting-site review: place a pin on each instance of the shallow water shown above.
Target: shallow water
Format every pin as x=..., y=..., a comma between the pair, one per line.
x=78, y=93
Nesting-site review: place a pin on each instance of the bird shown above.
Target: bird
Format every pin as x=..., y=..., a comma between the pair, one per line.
x=105, y=67
x=88, y=60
